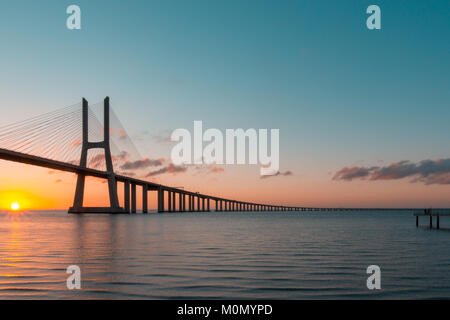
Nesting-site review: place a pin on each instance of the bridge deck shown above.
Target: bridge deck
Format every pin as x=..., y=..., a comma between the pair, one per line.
x=68, y=167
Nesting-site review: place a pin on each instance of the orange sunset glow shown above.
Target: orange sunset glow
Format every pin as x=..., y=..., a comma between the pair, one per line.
x=35, y=188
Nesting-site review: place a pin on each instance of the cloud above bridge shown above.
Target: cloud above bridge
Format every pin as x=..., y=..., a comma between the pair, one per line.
x=425, y=171
x=279, y=173
x=170, y=168
x=142, y=164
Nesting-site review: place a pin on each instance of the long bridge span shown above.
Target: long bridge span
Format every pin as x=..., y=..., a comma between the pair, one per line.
x=178, y=199
x=169, y=199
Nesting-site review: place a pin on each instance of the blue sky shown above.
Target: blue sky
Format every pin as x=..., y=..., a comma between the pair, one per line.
x=338, y=92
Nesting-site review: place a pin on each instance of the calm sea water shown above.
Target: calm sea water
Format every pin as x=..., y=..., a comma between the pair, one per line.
x=315, y=255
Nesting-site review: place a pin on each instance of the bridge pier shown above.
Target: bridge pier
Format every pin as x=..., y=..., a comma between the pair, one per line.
x=126, y=195
x=81, y=177
x=144, y=198
x=160, y=200
x=174, y=201
x=133, y=198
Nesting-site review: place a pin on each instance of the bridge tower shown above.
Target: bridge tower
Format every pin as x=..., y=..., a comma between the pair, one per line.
x=81, y=178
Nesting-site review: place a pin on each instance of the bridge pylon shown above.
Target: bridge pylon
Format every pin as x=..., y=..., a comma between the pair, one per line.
x=81, y=178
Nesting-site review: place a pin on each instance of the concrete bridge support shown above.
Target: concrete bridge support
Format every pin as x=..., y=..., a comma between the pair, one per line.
x=133, y=198
x=144, y=199
x=160, y=199
x=174, y=202
x=81, y=178
x=126, y=194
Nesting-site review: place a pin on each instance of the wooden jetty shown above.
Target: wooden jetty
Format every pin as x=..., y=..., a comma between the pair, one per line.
x=431, y=213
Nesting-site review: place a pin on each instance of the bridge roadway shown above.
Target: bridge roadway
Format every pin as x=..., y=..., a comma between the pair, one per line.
x=222, y=204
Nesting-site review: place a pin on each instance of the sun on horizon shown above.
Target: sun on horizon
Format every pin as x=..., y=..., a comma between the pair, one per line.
x=15, y=206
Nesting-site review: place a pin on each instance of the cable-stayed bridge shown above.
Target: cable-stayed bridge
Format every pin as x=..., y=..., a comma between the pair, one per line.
x=61, y=139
